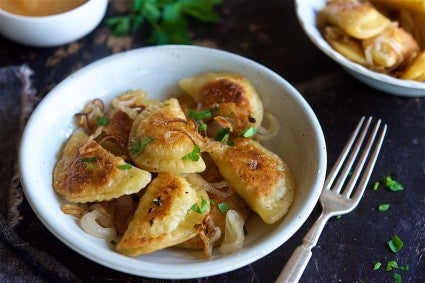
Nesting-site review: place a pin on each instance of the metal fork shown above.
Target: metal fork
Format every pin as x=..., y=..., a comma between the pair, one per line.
x=334, y=199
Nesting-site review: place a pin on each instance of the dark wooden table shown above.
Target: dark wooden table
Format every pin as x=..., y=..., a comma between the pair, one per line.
x=268, y=32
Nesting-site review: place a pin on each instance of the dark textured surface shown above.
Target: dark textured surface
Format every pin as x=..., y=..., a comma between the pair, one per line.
x=268, y=32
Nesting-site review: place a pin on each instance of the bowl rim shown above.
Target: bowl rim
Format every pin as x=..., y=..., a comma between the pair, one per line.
x=72, y=12
x=275, y=238
x=313, y=33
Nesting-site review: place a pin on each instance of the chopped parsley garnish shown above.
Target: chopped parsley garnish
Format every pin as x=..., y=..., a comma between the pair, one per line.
x=392, y=264
x=194, y=155
x=395, y=244
x=199, y=114
x=397, y=278
x=391, y=184
x=88, y=159
x=137, y=146
x=223, y=207
x=223, y=135
x=376, y=186
x=202, y=126
x=124, y=166
x=89, y=162
x=168, y=19
x=383, y=207
x=404, y=267
x=250, y=132
x=102, y=121
x=200, y=209
x=377, y=265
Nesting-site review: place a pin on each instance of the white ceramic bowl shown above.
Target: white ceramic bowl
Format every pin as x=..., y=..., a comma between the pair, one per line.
x=157, y=70
x=54, y=30
x=306, y=13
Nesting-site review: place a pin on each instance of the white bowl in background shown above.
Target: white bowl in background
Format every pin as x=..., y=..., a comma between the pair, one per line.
x=306, y=12
x=300, y=143
x=54, y=30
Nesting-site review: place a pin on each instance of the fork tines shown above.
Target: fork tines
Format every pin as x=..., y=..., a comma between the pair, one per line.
x=349, y=170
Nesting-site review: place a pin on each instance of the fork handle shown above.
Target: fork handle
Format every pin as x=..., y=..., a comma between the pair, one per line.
x=299, y=259
x=294, y=268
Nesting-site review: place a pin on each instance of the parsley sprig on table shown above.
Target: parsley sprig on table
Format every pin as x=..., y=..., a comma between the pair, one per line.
x=169, y=19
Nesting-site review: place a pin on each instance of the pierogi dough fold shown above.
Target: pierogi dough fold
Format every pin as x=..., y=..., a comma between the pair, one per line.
x=87, y=172
x=259, y=176
x=161, y=137
x=229, y=95
x=356, y=18
x=392, y=48
x=164, y=216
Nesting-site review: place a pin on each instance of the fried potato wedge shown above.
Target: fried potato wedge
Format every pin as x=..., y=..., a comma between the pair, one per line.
x=259, y=176
x=230, y=95
x=161, y=138
x=165, y=216
x=87, y=172
x=356, y=18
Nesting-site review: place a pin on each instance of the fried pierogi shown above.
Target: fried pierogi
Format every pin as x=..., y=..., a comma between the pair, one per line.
x=162, y=139
x=168, y=214
x=259, y=176
x=228, y=95
x=356, y=18
x=87, y=172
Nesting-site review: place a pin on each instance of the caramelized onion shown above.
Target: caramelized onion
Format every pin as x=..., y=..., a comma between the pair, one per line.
x=73, y=210
x=90, y=222
x=264, y=134
x=212, y=188
x=91, y=112
x=233, y=234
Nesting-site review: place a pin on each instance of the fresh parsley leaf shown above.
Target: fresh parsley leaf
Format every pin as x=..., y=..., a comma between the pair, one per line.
x=202, y=126
x=137, y=146
x=383, y=207
x=194, y=155
x=102, y=121
x=223, y=207
x=90, y=162
x=200, y=209
x=393, y=185
x=376, y=186
x=392, y=264
x=250, y=132
x=223, y=135
x=169, y=19
x=199, y=114
x=397, y=277
x=404, y=267
x=395, y=244
x=200, y=10
x=124, y=166
x=89, y=159
x=377, y=265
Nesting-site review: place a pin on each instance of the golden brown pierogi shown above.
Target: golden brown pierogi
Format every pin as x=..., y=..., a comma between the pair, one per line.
x=258, y=175
x=164, y=216
x=87, y=172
